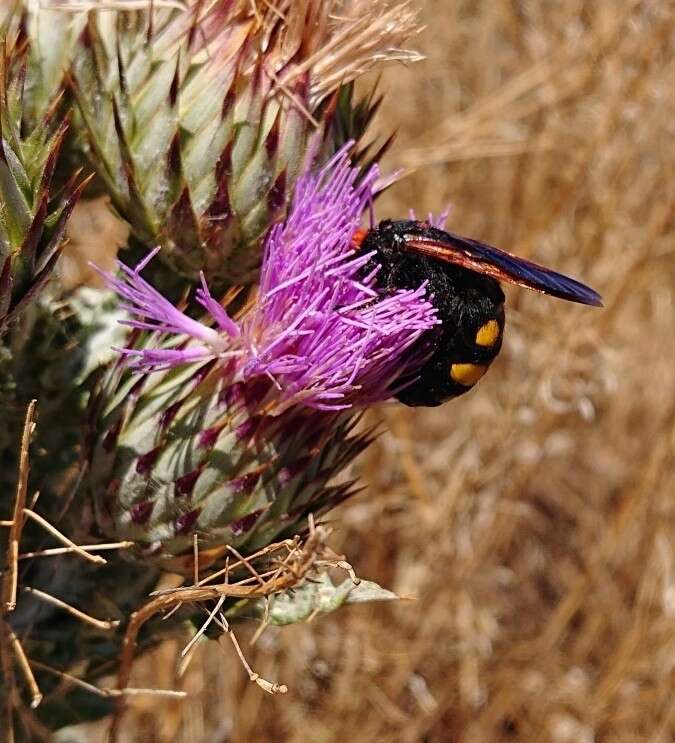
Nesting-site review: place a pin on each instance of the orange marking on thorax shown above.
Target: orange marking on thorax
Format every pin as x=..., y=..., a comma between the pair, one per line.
x=358, y=237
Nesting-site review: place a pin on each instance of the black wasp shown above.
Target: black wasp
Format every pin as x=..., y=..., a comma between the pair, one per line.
x=463, y=275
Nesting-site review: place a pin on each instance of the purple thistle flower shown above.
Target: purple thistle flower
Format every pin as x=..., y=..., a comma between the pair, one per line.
x=318, y=330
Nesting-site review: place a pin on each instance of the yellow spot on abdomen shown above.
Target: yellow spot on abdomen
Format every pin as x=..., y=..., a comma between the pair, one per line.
x=487, y=334
x=467, y=374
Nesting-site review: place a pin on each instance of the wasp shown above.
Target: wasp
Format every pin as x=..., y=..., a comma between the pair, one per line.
x=463, y=278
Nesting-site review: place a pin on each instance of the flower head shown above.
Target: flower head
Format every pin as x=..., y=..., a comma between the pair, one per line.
x=319, y=330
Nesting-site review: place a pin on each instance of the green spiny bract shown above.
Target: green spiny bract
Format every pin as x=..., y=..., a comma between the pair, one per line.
x=33, y=213
x=187, y=451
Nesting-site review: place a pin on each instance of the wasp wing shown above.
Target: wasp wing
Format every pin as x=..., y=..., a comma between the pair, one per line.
x=485, y=259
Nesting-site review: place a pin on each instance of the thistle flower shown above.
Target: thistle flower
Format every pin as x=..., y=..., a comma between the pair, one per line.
x=199, y=135
x=233, y=428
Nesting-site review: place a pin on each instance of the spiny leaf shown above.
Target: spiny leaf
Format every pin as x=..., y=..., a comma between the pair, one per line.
x=321, y=597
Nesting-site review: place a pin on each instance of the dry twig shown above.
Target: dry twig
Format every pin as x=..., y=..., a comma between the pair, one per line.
x=52, y=551
x=9, y=582
x=63, y=538
x=103, y=624
x=9, y=644
x=297, y=567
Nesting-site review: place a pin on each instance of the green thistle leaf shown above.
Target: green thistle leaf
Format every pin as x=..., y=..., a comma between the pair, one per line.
x=320, y=596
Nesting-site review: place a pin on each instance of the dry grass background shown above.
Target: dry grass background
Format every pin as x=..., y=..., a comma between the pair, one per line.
x=534, y=519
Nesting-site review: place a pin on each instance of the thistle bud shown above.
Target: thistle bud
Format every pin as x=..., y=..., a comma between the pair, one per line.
x=33, y=214
x=198, y=121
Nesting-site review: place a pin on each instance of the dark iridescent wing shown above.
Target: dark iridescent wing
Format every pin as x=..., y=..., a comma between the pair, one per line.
x=485, y=259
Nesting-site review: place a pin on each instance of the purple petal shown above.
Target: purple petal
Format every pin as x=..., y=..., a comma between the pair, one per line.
x=225, y=322
x=149, y=310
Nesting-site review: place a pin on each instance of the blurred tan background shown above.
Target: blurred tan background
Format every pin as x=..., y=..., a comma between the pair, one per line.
x=534, y=519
